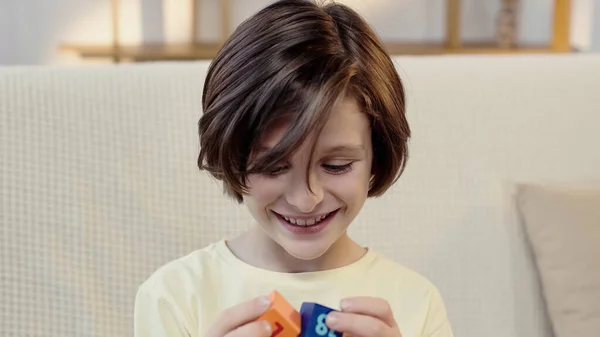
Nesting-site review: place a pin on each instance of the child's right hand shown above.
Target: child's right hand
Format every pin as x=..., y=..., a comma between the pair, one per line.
x=240, y=320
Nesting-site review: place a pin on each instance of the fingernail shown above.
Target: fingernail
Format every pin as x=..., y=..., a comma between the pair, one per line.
x=332, y=318
x=268, y=328
x=264, y=301
x=344, y=305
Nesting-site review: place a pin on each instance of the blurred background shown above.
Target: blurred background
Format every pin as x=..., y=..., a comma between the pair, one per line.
x=67, y=32
x=99, y=185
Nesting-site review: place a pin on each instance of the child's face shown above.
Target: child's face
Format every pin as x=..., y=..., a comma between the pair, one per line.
x=339, y=179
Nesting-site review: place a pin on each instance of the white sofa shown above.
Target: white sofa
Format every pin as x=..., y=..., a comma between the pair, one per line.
x=99, y=185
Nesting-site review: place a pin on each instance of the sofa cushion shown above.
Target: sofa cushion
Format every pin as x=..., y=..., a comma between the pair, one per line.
x=563, y=227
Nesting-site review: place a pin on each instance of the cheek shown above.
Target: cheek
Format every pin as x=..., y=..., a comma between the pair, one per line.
x=353, y=186
x=263, y=191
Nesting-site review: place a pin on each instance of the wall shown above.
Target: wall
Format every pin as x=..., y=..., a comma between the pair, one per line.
x=32, y=30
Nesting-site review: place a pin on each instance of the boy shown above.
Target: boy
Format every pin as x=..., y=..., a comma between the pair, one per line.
x=304, y=118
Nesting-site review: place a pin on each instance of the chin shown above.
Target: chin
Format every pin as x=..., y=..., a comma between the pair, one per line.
x=305, y=250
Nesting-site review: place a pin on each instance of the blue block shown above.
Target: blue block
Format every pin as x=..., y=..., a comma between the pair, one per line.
x=313, y=321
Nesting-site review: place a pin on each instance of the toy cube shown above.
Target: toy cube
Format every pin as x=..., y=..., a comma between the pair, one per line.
x=313, y=321
x=284, y=319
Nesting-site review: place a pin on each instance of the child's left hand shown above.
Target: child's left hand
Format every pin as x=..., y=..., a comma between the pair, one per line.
x=364, y=317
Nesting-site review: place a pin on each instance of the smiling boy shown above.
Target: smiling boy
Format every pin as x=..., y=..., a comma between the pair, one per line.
x=304, y=119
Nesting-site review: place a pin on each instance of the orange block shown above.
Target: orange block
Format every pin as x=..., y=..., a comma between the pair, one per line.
x=284, y=319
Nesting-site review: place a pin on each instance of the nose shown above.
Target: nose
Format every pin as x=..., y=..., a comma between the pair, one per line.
x=305, y=194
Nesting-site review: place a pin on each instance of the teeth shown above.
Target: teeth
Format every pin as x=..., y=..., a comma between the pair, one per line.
x=310, y=222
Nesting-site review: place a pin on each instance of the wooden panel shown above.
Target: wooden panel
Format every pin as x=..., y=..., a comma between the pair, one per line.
x=225, y=19
x=453, y=24
x=207, y=51
x=148, y=52
x=196, y=51
x=194, y=21
x=115, y=17
x=467, y=48
x=561, y=29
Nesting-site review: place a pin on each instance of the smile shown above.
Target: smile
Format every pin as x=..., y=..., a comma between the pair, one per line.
x=305, y=221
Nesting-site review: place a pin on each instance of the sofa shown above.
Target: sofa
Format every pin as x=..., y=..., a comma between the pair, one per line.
x=99, y=188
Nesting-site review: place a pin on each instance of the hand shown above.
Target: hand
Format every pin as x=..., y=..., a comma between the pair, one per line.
x=240, y=320
x=364, y=317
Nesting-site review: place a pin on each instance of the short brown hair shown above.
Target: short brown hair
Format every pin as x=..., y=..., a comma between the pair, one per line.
x=294, y=59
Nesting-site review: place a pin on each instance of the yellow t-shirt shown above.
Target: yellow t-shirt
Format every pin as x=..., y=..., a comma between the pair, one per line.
x=184, y=297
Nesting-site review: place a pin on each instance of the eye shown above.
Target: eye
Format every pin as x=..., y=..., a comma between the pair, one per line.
x=338, y=169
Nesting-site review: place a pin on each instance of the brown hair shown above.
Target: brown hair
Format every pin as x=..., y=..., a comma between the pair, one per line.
x=294, y=59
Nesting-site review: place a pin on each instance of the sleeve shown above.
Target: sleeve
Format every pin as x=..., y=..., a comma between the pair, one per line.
x=156, y=316
x=436, y=322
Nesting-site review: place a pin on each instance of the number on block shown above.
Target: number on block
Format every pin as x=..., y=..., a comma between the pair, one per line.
x=278, y=329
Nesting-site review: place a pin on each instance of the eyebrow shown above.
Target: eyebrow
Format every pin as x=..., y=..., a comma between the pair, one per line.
x=344, y=148
x=329, y=150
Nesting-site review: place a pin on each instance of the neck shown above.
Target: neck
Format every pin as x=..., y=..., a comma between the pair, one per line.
x=256, y=248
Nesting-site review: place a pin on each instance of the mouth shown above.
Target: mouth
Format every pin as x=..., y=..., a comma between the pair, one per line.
x=306, y=226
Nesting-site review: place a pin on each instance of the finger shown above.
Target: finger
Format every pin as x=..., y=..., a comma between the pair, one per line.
x=357, y=325
x=253, y=329
x=239, y=315
x=370, y=306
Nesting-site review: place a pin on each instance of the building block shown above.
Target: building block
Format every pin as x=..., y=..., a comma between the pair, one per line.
x=284, y=319
x=313, y=321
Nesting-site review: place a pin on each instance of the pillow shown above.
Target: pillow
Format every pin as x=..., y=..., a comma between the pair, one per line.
x=563, y=228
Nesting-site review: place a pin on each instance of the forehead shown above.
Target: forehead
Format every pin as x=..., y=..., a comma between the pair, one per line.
x=347, y=124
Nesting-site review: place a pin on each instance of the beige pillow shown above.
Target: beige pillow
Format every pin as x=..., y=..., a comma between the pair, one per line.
x=563, y=228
